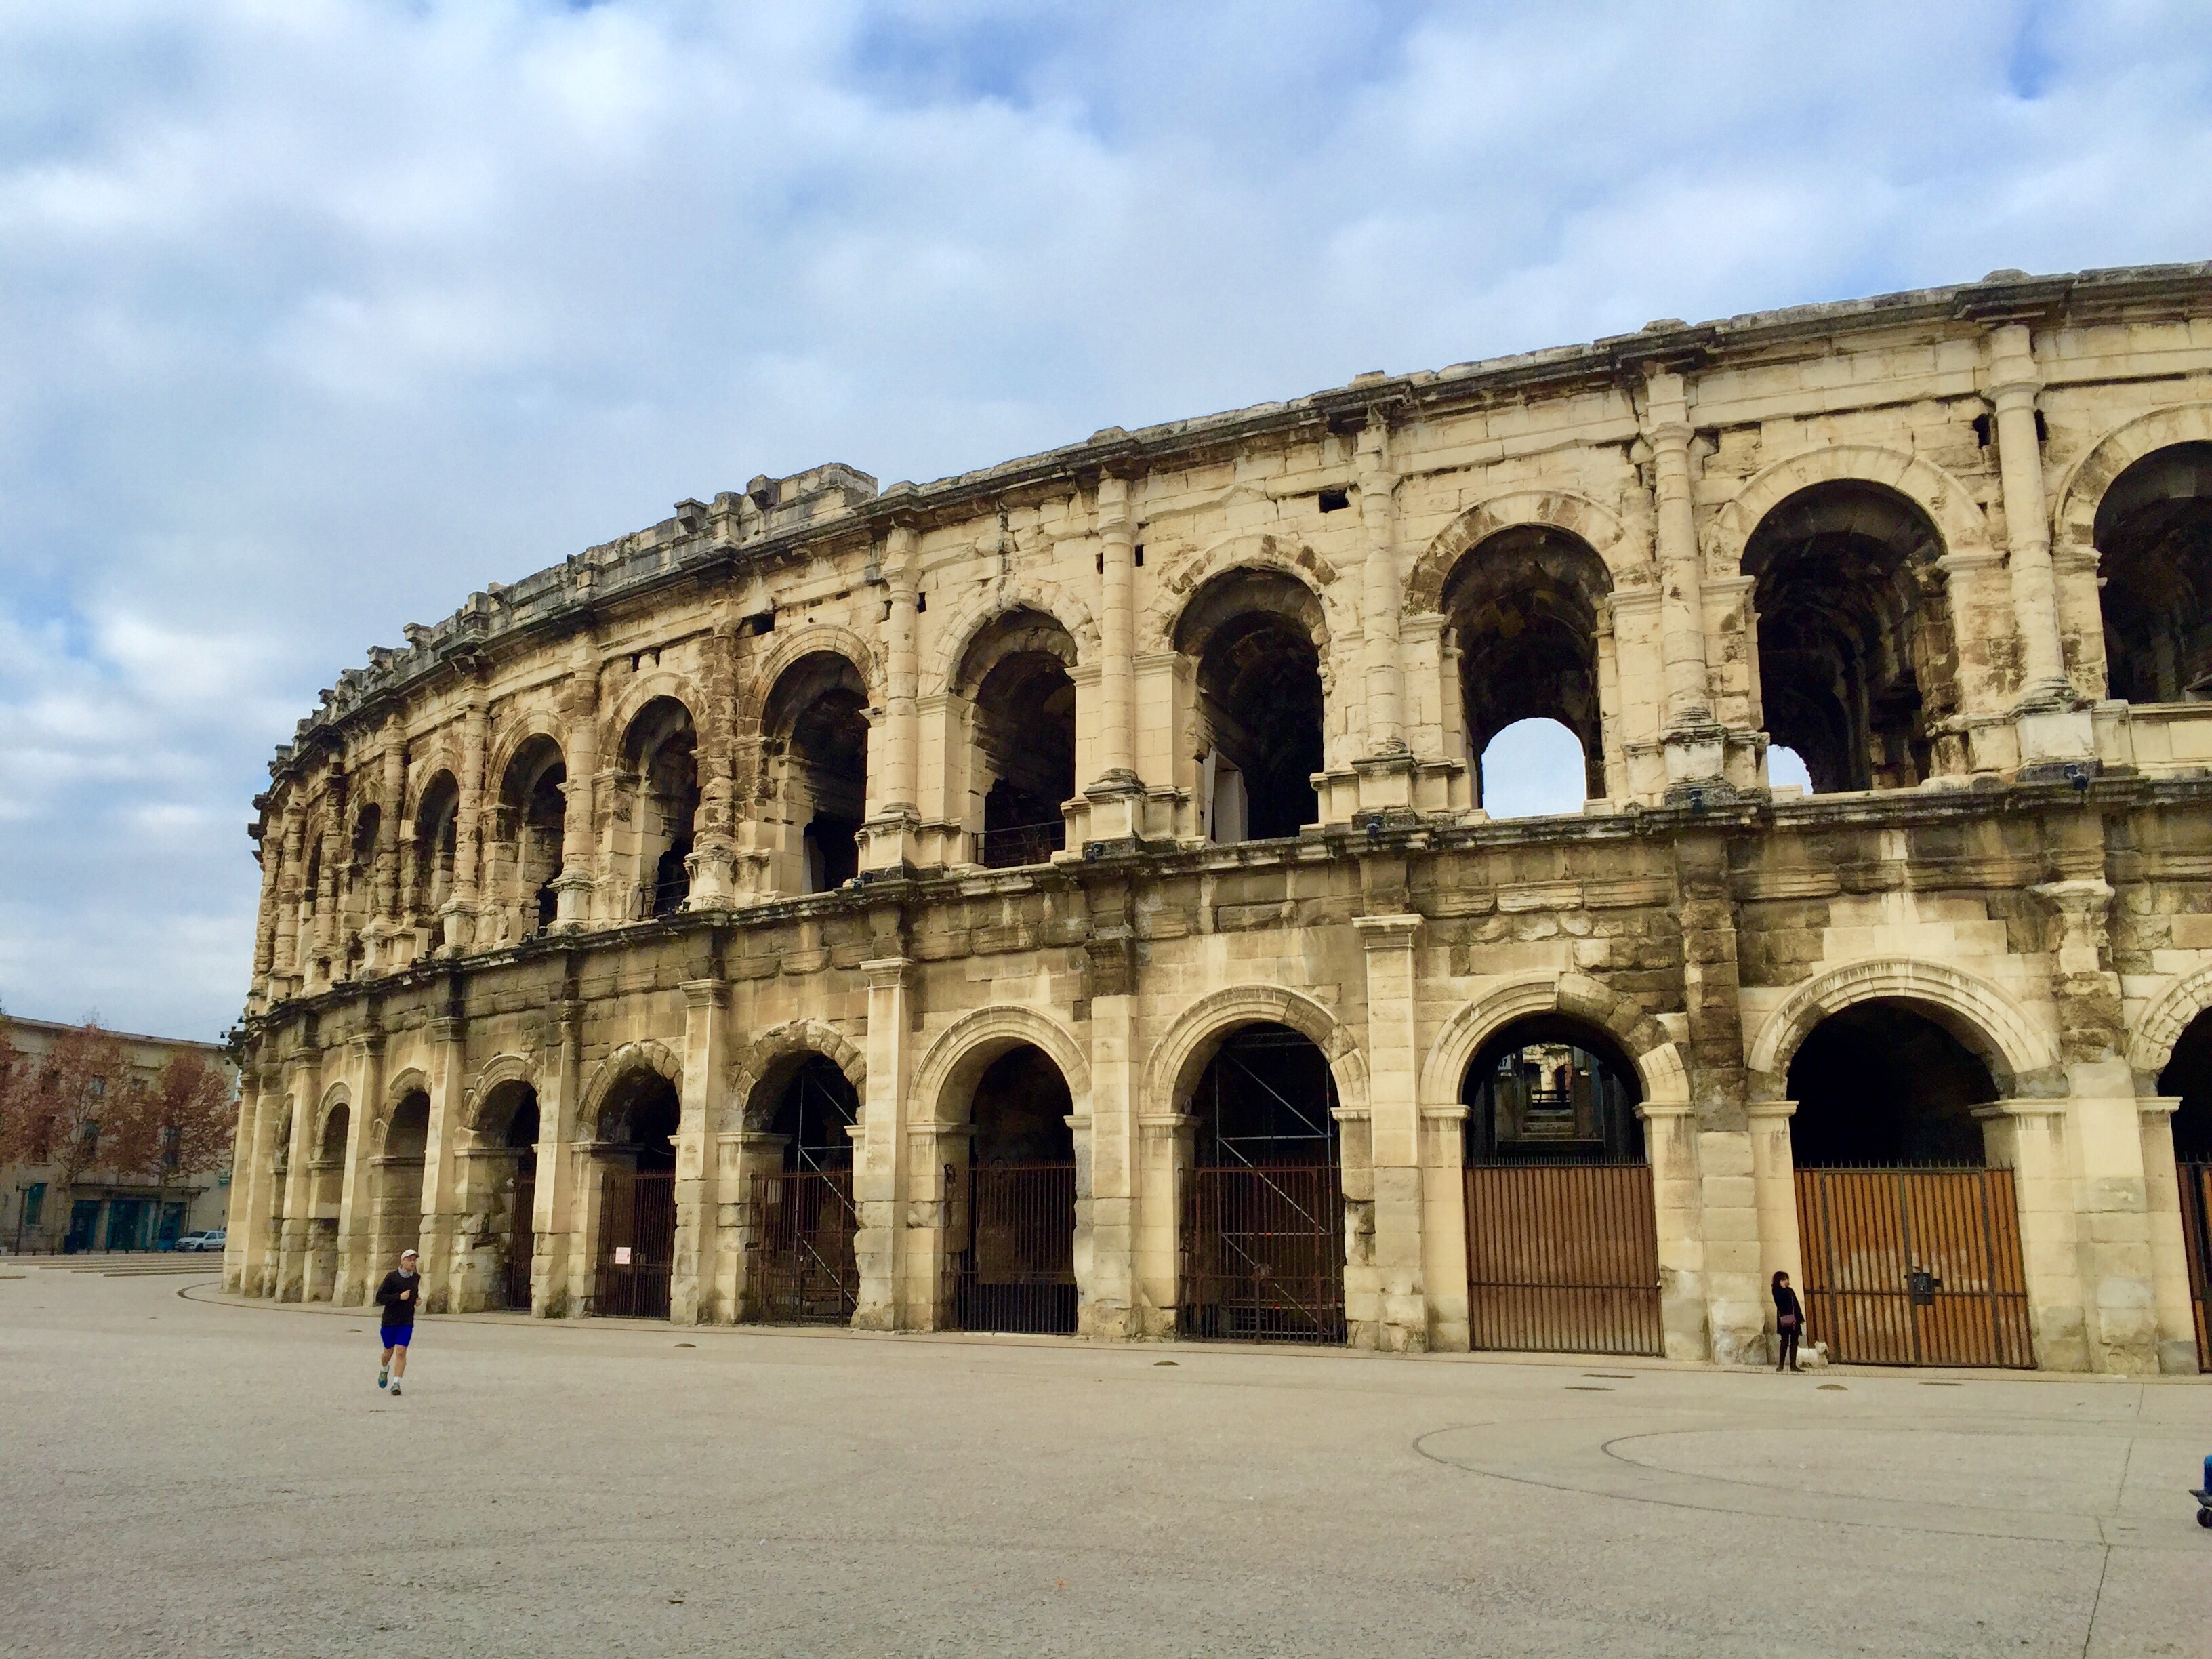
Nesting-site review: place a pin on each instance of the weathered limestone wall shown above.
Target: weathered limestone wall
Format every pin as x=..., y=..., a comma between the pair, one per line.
x=2040, y=886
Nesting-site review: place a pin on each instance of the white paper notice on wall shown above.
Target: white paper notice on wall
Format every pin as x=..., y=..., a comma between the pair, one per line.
x=621, y=1255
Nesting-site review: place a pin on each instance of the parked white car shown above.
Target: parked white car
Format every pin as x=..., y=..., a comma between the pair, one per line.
x=212, y=1239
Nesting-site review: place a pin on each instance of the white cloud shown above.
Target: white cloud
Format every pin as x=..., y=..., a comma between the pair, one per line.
x=314, y=316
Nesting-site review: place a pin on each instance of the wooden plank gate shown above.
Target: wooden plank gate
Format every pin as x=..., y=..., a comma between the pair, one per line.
x=1913, y=1266
x=1262, y=1254
x=800, y=1265
x=2195, y=1182
x=1562, y=1258
x=1015, y=1269
x=637, y=1248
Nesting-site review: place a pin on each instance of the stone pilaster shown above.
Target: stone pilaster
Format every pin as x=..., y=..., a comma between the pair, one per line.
x=2027, y=1136
x=881, y=1171
x=457, y=916
x=304, y=1085
x=1401, y=1285
x=2169, y=1250
x=1774, y=1181
x=889, y=839
x=356, y=1272
x=698, y=1168
x=442, y=1227
x=580, y=745
x=1107, y=1177
x=1116, y=797
x=1695, y=750
x=557, y=1233
x=1382, y=599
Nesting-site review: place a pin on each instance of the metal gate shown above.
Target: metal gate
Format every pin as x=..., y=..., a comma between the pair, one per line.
x=800, y=1265
x=1562, y=1258
x=1016, y=1269
x=1913, y=1266
x=521, y=1241
x=1262, y=1254
x=2196, y=1235
x=637, y=1245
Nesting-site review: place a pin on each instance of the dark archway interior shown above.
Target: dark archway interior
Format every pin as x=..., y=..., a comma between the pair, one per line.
x=1266, y=1097
x=1551, y=1089
x=1017, y=673
x=437, y=837
x=510, y=1120
x=336, y=1127
x=534, y=805
x=819, y=715
x=643, y=1113
x=1259, y=700
x=1882, y=1083
x=1020, y=1110
x=1857, y=665
x=1524, y=607
x=407, y=1135
x=662, y=750
x=2155, y=552
x=817, y=1108
x=2189, y=1074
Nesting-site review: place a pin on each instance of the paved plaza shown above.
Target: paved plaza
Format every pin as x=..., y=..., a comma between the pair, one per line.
x=185, y=1475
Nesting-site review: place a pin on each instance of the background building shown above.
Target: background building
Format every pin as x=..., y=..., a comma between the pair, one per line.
x=106, y=1209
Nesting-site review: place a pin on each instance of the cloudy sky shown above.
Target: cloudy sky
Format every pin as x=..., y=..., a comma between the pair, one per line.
x=315, y=316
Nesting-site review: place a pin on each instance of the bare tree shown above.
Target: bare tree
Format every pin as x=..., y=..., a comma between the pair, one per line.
x=178, y=1126
x=57, y=1106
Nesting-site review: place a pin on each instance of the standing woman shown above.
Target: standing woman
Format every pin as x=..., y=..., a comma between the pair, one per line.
x=1788, y=1322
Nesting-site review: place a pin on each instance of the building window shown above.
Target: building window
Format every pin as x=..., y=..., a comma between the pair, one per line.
x=34, y=1203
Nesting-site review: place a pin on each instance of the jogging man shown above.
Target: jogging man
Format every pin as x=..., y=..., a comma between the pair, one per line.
x=399, y=1296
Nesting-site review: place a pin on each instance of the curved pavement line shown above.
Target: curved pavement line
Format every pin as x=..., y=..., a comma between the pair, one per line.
x=1592, y=1467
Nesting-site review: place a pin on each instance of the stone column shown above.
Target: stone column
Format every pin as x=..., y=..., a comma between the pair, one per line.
x=712, y=864
x=376, y=933
x=556, y=1228
x=580, y=748
x=246, y=1244
x=2053, y=718
x=890, y=837
x=741, y=1155
x=1678, y=1212
x=1394, y=1131
x=2169, y=1249
x=444, y=1226
x=691, y=1299
x=1444, y=1225
x=460, y=911
x=1694, y=747
x=270, y=852
x=1116, y=797
x=1379, y=596
x=2104, y=1131
x=1106, y=1204
x=305, y=1086
x=880, y=1171
x=327, y=890
x=2027, y=1137
x=1774, y=1182
x=1611, y=742
x=357, y=1270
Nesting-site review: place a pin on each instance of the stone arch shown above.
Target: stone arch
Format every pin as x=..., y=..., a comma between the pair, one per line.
x=500, y=1068
x=1659, y=1064
x=1986, y=1019
x=528, y=723
x=800, y=642
x=647, y=1054
x=770, y=1051
x=1577, y=515
x=1946, y=502
x=423, y=771
x=2073, y=518
x=412, y=1081
x=2150, y=1047
x=964, y=1048
x=996, y=601
x=1156, y=629
x=668, y=683
x=336, y=1098
x=1178, y=1057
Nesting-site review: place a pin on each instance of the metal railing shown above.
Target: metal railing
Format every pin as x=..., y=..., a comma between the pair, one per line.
x=1010, y=846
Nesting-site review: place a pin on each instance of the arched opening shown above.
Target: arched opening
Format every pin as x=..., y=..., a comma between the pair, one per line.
x=1551, y=1089
x=399, y=1180
x=507, y=1136
x=801, y=1269
x=361, y=881
x=1562, y=1237
x=1255, y=636
x=1012, y=1240
x=1910, y=1245
x=636, y=1158
x=817, y=753
x=2153, y=534
x=660, y=757
x=533, y=804
x=1263, y=1205
x=437, y=838
x=1857, y=665
x=1883, y=1083
x=327, y=1187
x=2188, y=1075
x=1523, y=607
x=310, y=955
x=1016, y=672
x=1533, y=769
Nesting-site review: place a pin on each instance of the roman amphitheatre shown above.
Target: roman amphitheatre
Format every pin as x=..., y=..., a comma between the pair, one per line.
x=1061, y=898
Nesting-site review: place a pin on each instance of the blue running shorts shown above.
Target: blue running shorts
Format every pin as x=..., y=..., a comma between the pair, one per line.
x=395, y=1336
